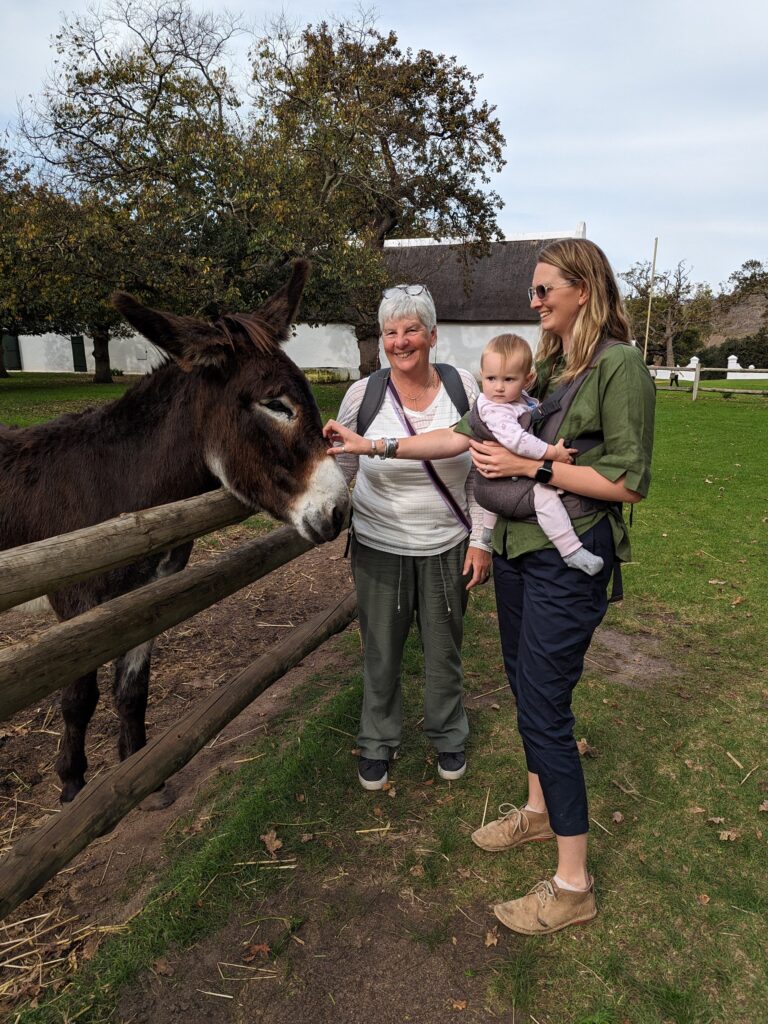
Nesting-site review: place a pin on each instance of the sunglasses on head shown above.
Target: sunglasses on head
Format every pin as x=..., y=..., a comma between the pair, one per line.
x=409, y=289
x=540, y=291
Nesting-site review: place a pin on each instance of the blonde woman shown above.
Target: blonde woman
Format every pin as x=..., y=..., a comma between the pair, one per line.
x=548, y=613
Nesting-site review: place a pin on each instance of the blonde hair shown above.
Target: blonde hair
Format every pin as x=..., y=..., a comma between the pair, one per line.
x=601, y=316
x=512, y=349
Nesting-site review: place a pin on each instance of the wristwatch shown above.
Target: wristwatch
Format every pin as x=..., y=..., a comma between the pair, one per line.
x=544, y=473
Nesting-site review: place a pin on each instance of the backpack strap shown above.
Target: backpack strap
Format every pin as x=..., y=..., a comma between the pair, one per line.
x=376, y=388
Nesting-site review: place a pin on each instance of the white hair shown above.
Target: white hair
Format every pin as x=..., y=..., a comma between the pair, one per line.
x=401, y=304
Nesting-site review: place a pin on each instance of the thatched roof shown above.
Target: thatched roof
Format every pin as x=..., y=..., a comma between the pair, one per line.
x=492, y=289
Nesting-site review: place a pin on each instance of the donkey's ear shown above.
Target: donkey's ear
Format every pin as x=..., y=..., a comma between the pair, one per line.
x=189, y=341
x=279, y=310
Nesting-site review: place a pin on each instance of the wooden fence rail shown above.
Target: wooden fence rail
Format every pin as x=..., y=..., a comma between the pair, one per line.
x=107, y=799
x=32, y=669
x=29, y=570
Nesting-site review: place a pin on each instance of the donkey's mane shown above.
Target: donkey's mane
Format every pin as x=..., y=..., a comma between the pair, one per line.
x=231, y=324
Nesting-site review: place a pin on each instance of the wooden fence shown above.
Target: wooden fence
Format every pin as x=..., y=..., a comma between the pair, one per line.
x=30, y=670
x=697, y=372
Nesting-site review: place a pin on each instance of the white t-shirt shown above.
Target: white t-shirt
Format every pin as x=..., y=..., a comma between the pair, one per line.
x=396, y=507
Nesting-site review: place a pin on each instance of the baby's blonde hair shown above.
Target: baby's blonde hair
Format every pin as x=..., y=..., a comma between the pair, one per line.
x=512, y=349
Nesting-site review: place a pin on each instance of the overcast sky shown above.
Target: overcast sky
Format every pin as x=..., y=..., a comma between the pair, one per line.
x=640, y=119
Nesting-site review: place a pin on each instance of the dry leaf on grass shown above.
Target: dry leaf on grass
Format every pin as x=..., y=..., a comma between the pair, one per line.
x=307, y=837
x=162, y=966
x=617, y=817
x=703, y=899
x=464, y=873
x=378, y=812
x=585, y=750
x=459, y=1004
x=697, y=810
x=256, y=951
x=271, y=842
x=728, y=835
x=392, y=792
x=716, y=821
x=763, y=806
x=417, y=871
x=492, y=937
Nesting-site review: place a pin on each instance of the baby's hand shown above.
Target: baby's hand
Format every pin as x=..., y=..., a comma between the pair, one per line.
x=559, y=453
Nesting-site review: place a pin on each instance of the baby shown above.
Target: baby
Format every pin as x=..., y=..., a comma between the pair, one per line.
x=506, y=368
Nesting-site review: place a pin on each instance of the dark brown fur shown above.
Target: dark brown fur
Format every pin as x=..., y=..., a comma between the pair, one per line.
x=228, y=407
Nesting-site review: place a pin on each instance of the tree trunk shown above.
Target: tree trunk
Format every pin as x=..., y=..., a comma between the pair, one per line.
x=3, y=371
x=669, y=337
x=103, y=374
x=368, y=343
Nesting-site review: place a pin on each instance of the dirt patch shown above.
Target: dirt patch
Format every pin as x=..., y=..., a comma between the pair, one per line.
x=633, y=661
x=68, y=915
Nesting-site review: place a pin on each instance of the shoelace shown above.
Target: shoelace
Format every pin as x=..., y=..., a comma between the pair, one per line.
x=510, y=811
x=545, y=892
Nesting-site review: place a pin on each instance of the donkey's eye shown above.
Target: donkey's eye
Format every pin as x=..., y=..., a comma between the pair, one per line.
x=277, y=407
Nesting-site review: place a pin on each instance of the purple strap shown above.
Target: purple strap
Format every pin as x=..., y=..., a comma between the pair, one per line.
x=442, y=490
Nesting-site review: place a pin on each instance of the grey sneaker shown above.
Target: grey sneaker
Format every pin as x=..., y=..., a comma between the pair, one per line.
x=372, y=773
x=451, y=764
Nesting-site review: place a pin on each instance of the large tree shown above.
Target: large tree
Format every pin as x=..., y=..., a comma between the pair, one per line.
x=679, y=308
x=395, y=143
x=348, y=141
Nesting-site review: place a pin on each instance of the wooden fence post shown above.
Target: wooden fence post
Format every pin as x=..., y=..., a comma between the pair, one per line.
x=31, y=669
x=46, y=565
x=107, y=799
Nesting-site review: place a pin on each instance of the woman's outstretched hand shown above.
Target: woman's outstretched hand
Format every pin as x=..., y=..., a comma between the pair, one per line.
x=492, y=460
x=344, y=441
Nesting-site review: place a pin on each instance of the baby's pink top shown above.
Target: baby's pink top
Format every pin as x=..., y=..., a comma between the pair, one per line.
x=503, y=421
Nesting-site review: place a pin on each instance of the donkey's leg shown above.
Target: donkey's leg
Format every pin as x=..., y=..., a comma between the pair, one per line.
x=78, y=702
x=131, y=689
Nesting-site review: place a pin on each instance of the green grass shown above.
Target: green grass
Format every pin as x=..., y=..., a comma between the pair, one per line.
x=681, y=934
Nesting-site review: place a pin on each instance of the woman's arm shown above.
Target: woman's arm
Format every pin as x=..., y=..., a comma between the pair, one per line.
x=434, y=444
x=493, y=460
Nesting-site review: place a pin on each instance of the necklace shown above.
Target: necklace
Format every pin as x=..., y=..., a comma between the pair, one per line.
x=430, y=384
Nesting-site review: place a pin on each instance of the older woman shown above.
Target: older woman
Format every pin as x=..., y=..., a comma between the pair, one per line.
x=416, y=545
x=548, y=612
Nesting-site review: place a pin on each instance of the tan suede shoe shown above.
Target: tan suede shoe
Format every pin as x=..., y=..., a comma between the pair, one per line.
x=512, y=828
x=546, y=908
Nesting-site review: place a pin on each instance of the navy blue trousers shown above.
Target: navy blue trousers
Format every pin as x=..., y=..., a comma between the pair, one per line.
x=547, y=615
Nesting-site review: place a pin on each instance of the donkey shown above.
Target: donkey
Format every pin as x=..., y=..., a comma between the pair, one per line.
x=227, y=408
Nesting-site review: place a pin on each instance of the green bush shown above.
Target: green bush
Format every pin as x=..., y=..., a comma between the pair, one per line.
x=751, y=350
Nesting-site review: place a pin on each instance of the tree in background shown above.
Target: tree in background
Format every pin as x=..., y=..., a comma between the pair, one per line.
x=394, y=143
x=681, y=311
x=750, y=279
x=348, y=141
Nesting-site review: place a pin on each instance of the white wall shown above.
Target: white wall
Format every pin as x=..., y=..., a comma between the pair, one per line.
x=333, y=345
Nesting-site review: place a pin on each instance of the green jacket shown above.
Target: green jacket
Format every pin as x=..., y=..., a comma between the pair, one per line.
x=618, y=400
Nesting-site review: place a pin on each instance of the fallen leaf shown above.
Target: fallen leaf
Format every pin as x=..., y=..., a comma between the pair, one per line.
x=717, y=583
x=696, y=810
x=378, y=812
x=763, y=806
x=495, y=707
x=162, y=966
x=459, y=1004
x=728, y=835
x=300, y=798
x=307, y=837
x=617, y=817
x=585, y=749
x=256, y=951
x=716, y=821
x=417, y=871
x=703, y=899
x=271, y=842
x=737, y=600
x=454, y=941
x=464, y=873
x=392, y=791
x=492, y=937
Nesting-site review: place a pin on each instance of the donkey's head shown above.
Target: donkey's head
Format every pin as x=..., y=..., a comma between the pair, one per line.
x=258, y=423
